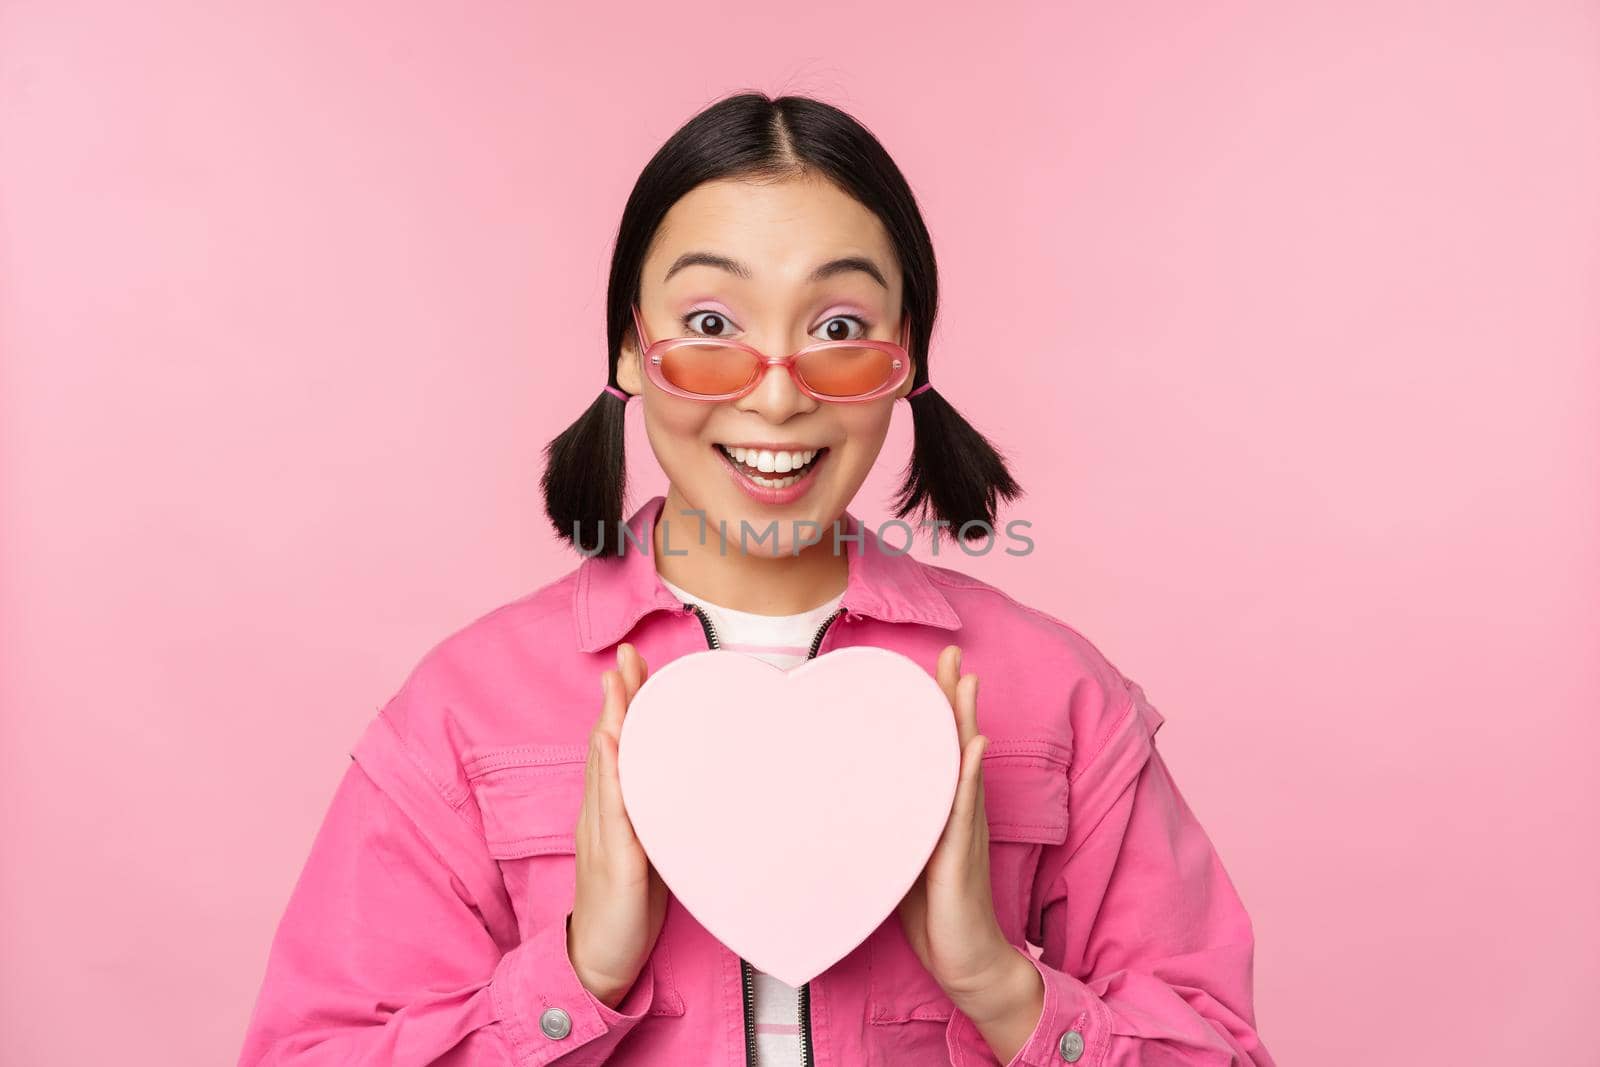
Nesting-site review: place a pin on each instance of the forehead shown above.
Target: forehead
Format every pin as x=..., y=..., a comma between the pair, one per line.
x=781, y=230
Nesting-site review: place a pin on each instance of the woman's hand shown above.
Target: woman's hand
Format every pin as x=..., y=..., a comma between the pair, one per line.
x=620, y=900
x=948, y=916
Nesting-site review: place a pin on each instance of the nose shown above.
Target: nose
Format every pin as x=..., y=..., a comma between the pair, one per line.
x=777, y=396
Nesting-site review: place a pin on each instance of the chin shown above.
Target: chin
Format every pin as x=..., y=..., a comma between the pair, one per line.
x=788, y=524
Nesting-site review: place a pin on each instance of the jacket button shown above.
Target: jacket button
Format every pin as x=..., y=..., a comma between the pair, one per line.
x=1071, y=1046
x=558, y=1024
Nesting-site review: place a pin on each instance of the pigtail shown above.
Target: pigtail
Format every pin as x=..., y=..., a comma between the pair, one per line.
x=954, y=472
x=584, y=477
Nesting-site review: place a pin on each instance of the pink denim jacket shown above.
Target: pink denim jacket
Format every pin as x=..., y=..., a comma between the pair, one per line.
x=428, y=925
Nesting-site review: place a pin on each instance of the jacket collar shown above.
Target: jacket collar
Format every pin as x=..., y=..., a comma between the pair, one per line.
x=613, y=593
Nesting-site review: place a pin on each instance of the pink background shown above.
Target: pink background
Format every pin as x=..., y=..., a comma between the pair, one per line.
x=293, y=297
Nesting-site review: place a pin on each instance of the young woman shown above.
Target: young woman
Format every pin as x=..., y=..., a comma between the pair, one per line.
x=476, y=894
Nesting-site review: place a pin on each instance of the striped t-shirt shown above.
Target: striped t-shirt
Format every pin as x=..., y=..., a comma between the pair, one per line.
x=783, y=641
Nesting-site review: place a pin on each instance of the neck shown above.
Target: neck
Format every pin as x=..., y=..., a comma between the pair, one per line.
x=690, y=552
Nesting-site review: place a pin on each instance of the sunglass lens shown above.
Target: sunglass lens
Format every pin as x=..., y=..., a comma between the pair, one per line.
x=708, y=368
x=846, y=372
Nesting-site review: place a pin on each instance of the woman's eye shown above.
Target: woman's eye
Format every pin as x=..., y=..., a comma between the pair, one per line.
x=838, y=328
x=712, y=323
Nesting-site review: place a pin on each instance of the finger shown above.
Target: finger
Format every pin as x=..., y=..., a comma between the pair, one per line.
x=641, y=668
x=949, y=668
x=589, y=813
x=616, y=701
x=614, y=824
x=628, y=664
x=966, y=708
x=980, y=817
x=604, y=746
x=959, y=830
x=634, y=672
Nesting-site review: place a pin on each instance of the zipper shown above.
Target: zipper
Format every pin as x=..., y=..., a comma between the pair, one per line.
x=746, y=975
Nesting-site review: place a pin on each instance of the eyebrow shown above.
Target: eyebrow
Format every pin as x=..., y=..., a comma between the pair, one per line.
x=846, y=264
x=842, y=265
x=707, y=259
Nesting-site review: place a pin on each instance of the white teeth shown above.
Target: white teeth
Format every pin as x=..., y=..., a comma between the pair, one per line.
x=771, y=463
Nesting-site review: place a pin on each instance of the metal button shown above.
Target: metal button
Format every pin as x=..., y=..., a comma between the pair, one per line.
x=558, y=1024
x=1071, y=1046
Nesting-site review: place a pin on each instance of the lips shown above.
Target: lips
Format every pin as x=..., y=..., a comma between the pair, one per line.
x=771, y=487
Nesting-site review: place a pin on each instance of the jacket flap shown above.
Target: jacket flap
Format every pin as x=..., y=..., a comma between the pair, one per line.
x=1025, y=790
x=529, y=797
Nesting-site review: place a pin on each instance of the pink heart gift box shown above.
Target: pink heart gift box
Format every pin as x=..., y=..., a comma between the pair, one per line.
x=789, y=811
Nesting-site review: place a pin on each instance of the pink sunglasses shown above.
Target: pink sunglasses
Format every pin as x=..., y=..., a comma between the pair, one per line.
x=714, y=369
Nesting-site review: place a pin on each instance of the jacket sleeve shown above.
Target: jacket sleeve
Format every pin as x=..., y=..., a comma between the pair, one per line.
x=383, y=955
x=1147, y=948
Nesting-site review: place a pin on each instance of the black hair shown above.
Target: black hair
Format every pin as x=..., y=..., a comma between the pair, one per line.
x=955, y=475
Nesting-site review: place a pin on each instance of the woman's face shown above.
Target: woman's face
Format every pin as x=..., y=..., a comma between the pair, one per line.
x=775, y=238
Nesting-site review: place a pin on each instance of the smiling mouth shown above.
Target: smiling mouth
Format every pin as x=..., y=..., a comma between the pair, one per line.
x=772, y=470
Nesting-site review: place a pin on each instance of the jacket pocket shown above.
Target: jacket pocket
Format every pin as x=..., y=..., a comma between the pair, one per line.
x=529, y=797
x=1025, y=801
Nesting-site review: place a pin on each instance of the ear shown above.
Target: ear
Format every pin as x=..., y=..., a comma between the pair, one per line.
x=907, y=385
x=630, y=375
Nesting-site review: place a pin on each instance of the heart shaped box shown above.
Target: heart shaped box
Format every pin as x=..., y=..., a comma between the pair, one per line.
x=789, y=811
